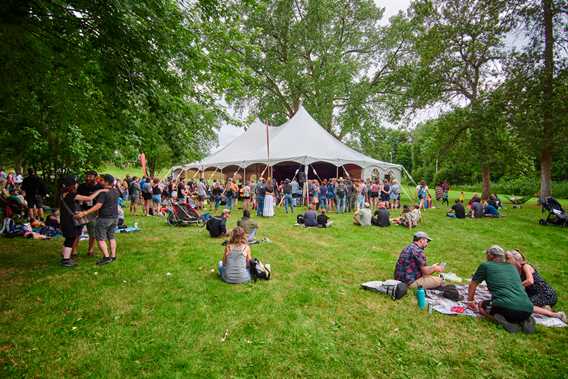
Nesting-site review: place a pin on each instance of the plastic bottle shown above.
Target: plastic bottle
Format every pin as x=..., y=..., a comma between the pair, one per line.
x=421, y=297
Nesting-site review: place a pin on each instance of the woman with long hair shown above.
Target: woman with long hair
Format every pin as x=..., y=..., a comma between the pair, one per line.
x=234, y=268
x=268, y=210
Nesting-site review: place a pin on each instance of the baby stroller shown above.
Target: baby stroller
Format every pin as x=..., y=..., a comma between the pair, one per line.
x=556, y=214
x=183, y=215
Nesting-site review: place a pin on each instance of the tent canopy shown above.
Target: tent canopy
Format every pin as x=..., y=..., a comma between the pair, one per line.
x=301, y=140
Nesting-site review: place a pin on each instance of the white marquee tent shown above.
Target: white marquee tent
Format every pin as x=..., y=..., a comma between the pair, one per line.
x=301, y=141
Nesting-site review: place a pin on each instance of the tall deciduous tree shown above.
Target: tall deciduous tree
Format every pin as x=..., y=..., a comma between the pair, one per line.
x=83, y=80
x=335, y=57
x=460, y=46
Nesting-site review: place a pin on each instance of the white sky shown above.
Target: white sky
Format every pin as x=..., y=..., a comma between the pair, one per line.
x=229, y=132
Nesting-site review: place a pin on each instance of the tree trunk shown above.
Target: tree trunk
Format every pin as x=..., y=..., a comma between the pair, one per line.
x=547, y=99
x=486, y=188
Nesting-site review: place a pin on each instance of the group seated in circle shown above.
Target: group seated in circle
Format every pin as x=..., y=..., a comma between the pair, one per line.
x=477, y=208
x=516, y=287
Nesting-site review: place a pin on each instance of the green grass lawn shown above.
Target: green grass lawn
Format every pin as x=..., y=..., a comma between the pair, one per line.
x=161, y=311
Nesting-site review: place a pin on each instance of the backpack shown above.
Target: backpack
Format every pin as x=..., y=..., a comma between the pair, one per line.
x=260, y=270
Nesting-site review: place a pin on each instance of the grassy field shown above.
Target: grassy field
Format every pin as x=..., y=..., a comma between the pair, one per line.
x=161, y=311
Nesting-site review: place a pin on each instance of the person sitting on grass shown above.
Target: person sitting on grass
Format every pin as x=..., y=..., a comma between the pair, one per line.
x=217, y=226
x=363, y=216
x=381, y=216
x=249, y=225
x=510, y=305
x=542, y=295
x=323, y=220
x=411, y=266
x=404, y=216
x=476, y=208
x=491, y=210
x=457, y=210
x=311, y=217
x=234, y=268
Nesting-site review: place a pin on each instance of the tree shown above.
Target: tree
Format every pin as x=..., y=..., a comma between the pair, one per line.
x=333, y=56
x=460, y=46
x=83, y=80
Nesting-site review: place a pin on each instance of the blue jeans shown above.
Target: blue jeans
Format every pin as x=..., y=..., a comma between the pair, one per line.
x=288, y=201
x=217, y=201
x=341, y=204
x=229, y=202
x=360, y=201
x=259, y=205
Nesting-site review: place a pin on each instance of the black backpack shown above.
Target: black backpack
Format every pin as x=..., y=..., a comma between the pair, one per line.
x=259, y=270
x=300, y=219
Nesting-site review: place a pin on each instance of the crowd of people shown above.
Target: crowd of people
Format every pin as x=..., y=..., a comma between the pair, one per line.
x=95, y=206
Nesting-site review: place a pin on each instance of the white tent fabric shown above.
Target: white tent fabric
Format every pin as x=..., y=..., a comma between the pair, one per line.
x=301, y=140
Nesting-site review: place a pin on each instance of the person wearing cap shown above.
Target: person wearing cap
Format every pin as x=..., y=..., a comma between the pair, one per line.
x=87, y=188
x=70, y=207
x=412, y=268
x=107, y=208
x=363, y=216
x=510, y=305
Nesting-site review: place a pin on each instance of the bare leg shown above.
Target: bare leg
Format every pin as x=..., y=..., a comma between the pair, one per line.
x=75, y=245
x=103, y=248
x=112, y=248
x=546, y=312
x=91, y=249
x=67, y=252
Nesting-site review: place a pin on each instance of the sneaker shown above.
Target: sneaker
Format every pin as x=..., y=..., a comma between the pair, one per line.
x=529, y=326
x=113, y=258
x=67, y=262
x=104, y=261
x=562, y=317
x=509, y=326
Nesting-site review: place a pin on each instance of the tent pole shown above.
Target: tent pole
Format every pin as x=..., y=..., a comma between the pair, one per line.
x=409, y=176
x=306, y=187
x=336, y=172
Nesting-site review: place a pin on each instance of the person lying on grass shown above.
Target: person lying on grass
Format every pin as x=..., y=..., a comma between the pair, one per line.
x=542, y=295
x=411, y=266
x=234, y=268
x=510, y=305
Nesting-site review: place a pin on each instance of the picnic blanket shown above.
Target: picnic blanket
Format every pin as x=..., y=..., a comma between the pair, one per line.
x=449, y=307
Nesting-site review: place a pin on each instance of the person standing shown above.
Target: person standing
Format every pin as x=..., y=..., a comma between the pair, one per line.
x=156, y=196
x=134, y=194
x=341, y=195
x=35, y=190
x=260, y=191
x=268, y=210
x=394, y=194
x=87, y=188
x=146, y=188
x=202, y=193
x=69, y=207
x=107, y=207
x=246, y=195
x=288, y=200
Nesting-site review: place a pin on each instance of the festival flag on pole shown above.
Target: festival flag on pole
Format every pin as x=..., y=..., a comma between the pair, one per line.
x=142, y=159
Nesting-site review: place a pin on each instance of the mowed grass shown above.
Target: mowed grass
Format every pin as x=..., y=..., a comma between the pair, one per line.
x=161, y=311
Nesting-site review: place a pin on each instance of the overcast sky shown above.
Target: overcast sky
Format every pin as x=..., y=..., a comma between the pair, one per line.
x=228, y=132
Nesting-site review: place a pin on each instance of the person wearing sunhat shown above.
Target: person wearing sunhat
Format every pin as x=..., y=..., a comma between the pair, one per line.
x=510, y=305
x=69, y=208
x=107, y=208
x=412, y=268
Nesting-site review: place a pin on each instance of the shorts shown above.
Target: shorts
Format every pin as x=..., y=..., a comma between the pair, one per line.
x=157, y=199
x=34, y=201
x=134, y=197
x=91, y=228
x=394, y=196
x=374, y=194
x=146, y=196
x=510, y=315
x=104, y=229
x=202, y=197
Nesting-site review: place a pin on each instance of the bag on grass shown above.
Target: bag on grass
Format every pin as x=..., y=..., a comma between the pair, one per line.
x=393, y=288
x=300, y=219
x=260, y=270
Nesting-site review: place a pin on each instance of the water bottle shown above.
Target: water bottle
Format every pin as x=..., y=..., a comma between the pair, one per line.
x=421, y=297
